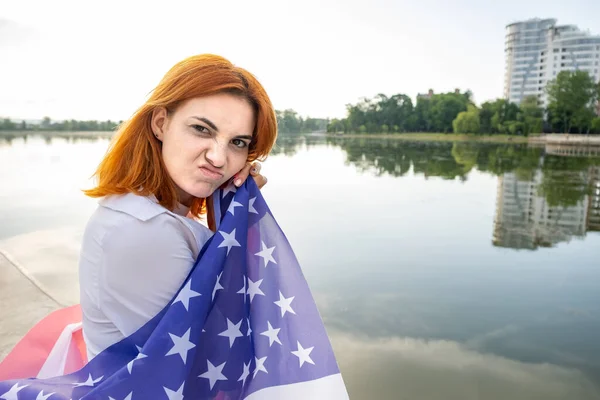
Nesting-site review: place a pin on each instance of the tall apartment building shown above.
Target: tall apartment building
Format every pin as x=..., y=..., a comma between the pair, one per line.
x=536, y=50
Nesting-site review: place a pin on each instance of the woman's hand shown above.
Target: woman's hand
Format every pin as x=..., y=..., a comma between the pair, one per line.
x=252, y=169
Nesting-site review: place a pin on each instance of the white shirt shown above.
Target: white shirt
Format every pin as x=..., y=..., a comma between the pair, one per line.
x=135, y=255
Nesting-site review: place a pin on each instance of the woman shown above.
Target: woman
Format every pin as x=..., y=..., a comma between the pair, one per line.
x=205, y=123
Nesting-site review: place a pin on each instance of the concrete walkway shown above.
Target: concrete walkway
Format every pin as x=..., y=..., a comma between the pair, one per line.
x=38, y=274
x=22, y=304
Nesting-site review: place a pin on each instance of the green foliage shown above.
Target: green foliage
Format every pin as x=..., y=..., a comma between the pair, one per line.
x=596, y=125
x=467, y=121
x=431, y=114
x=62, y=126
x=288, y=121
x=572, y=98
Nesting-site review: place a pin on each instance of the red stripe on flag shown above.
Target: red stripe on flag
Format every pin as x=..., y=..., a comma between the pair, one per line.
x=28, y=356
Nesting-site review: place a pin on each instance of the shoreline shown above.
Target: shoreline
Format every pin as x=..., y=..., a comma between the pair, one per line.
x=551, y=138
x=439, y=137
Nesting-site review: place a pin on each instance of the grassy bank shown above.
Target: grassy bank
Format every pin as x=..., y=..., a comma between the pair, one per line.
x=452, y=137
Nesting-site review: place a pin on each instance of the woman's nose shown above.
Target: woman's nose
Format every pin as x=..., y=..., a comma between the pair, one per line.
x=217, y=154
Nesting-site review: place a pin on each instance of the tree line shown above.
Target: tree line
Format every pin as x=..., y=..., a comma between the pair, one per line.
x=288, y=121
x=61, y=126
x=572, y=108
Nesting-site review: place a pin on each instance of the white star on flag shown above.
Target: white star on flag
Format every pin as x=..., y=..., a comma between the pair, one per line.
x=303, y=354
x=249, y=328
x=138, y=357
x=251, y=206
x=260, y=365
x=89, y=382
x=217, y=286
x=213, y=374
x=245, y=373
x=232, y=207
x=12, y=393
x=232, y=332
x=181, y=345
x=254, y=288
x=285, y=304
x=266, y=254
x=229, y=188
x=271, y=334
x=186, y=294
x=126, y=398
x=42, y=396
x=229, y=240
x=172, y=395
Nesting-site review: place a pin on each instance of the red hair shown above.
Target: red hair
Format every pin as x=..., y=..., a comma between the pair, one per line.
x=133, y=163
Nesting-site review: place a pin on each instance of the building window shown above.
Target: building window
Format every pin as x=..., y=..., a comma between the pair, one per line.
x=554, y=65
x=556, y=50
x=554, y=73
x=563, y=50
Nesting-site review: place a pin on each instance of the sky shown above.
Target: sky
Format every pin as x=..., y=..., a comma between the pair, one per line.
x=71, y=59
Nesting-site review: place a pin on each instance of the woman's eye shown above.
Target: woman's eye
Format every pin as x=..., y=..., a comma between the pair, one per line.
x=200, y=129
x=239, y=143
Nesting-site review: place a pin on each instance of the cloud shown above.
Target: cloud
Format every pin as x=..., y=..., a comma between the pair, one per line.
x=409, y=368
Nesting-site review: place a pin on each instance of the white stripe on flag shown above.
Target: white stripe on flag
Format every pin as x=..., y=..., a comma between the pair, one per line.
x=57, y=359
x=330, y=387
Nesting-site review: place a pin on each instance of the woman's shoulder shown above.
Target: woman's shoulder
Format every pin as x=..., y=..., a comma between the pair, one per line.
x=132, y=219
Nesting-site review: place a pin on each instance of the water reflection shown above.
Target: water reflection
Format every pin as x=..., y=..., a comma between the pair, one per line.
x=7, y=138
x=546, y=195
x=419, y=300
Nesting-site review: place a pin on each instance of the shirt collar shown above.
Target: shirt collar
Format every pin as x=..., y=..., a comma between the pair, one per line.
x=140, y=207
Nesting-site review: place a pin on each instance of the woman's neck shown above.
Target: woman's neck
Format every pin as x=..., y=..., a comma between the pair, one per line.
x=184, y=198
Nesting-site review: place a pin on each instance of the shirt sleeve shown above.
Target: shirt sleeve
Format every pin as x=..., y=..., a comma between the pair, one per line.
x=144, y=264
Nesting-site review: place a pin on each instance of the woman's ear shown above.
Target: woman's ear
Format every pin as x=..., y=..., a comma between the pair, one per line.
x=159, y=122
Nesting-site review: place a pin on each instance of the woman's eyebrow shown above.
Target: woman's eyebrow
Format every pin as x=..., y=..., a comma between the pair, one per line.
x=214, y=127
x=207, y=122
x=249, y=137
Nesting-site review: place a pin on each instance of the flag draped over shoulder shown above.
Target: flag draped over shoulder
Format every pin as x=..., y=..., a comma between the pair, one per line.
x=243, y=325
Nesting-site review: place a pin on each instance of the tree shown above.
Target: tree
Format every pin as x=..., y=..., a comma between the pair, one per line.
x=572, y=97
x=596, y=125
x=445, y=108
x=531, y=115
x=467, y=121
x=7, y=125
x=46, y=123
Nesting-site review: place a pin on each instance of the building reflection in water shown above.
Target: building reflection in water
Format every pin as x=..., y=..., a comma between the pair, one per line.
x=526, y=219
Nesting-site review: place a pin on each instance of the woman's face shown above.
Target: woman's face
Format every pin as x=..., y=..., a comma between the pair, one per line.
x=204, y=142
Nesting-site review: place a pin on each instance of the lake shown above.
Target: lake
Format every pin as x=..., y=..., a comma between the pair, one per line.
x=441, y=270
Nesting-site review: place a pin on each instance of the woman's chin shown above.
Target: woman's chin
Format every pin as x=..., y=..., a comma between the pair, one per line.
x=202, y=190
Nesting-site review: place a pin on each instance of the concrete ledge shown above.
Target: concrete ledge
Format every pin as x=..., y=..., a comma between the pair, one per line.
x=22, y=304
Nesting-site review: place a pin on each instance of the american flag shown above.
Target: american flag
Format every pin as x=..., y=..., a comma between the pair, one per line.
x=244, y=325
